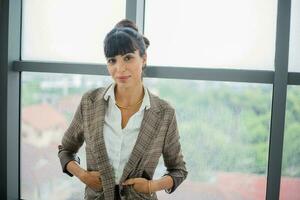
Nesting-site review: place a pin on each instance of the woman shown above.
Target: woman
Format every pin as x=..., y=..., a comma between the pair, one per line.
x=126, y=128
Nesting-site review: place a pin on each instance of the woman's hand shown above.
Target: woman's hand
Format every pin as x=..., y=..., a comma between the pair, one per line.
x=139, y=184
x=91, y=179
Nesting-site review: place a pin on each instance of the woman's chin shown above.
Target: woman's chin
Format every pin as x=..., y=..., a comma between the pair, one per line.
x=123, y=84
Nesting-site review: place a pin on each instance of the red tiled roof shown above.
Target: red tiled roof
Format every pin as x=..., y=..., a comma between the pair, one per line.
x=43, y=117
x=290, y=188
x=232, y=186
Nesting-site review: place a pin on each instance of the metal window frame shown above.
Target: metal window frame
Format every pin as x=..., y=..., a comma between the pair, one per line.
x=279, y=99
x=294, y=78
x=10, y=29
x=171, y=72
x=11, y=67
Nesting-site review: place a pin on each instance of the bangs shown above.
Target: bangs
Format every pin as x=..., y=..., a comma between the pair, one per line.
x=118, y=43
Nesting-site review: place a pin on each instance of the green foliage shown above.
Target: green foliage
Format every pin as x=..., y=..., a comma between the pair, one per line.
x=29, y=93
x=226, y=127
x=223, y=126
x=291, y=150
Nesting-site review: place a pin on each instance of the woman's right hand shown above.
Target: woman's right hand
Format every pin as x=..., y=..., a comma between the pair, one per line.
x=91, y=179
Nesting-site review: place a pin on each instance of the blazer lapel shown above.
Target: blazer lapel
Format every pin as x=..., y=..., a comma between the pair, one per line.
x=99, y=148
x=149, y=128
x=148, y=131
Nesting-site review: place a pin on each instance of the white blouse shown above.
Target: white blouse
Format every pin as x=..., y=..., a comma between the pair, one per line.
x=120, y=142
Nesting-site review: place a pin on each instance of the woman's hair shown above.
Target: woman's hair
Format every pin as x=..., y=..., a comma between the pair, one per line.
x=124, y=38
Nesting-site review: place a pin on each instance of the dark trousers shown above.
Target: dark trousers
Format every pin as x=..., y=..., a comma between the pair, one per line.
x=118, y=193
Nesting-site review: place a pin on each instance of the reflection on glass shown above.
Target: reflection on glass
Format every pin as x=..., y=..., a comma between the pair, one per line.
x=290, y=179
x=67, y=30
x=216, y=33
x=48, y=105
x=224, y=130
x=294, y=59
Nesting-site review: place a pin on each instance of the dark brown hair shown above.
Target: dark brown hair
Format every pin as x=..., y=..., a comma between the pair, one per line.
x=130, y=24
x=124, y=38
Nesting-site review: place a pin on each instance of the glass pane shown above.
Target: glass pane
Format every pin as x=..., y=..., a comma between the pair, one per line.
x=224, y=130
x=68, y=30
x=217, y=33
x=48, y=105
x=294, y=59
x=290, y=179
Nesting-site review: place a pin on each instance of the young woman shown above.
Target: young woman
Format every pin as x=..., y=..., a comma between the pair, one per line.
x=126, y=128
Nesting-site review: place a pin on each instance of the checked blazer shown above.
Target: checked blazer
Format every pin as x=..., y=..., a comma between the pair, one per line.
x=158, y=136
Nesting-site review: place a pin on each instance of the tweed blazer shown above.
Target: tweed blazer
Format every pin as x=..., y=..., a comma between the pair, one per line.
x=158, y=136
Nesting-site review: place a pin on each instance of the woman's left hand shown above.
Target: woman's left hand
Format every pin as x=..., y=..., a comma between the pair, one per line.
x=139, y=184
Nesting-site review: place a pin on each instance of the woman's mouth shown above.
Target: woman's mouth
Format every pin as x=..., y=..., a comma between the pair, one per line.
x=123, y=78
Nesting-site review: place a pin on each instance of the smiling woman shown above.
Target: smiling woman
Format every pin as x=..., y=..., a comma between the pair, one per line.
x=126, y=128
x=129, y=62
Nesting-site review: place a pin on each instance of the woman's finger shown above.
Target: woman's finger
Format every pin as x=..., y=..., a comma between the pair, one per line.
x=129, y=182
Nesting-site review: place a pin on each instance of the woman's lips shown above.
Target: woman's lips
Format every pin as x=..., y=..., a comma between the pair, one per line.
x=123, y=77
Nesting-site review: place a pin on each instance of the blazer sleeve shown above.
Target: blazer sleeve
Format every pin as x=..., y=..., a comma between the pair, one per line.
x=173, y=157
x=72, y=140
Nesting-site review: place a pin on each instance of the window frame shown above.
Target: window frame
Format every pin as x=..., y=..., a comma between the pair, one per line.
x=11, y=67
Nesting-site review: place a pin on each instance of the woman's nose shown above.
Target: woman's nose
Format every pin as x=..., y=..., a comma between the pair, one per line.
x=121, y=66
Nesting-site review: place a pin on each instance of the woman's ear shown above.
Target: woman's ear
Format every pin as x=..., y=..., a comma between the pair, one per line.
x=145, y=59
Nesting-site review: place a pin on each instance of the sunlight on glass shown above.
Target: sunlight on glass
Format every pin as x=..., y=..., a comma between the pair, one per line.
x=216, y=33
x=48, y=105
x=68, y=30
x=224, y=132
x=294, y=52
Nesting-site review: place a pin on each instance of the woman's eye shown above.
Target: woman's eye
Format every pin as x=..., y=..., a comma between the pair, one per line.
x=127, y=58
x=111, y=61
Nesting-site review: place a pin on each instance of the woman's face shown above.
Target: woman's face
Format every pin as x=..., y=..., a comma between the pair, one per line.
x=126, y=70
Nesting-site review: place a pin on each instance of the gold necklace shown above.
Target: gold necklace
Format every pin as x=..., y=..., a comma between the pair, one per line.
x=127, y=107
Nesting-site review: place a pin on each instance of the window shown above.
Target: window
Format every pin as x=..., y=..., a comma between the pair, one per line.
x=294, y=60
x=227, y=34
x=66, y=30
x=49, y=102
x=224, y=130
x=290, y=179
x=217, y=33
x=212, y=116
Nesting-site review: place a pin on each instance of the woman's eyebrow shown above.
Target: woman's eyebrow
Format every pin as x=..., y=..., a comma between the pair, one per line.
x=128, y=54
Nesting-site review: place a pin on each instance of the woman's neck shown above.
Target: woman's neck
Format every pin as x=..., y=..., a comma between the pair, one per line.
x=127, y=96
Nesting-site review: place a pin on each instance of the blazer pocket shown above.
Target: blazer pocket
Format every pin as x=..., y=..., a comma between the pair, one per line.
x=139, y=195
x=91, y=194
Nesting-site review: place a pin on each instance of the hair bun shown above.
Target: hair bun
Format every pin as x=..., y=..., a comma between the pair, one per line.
x=147, y=42
x=127, y=23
